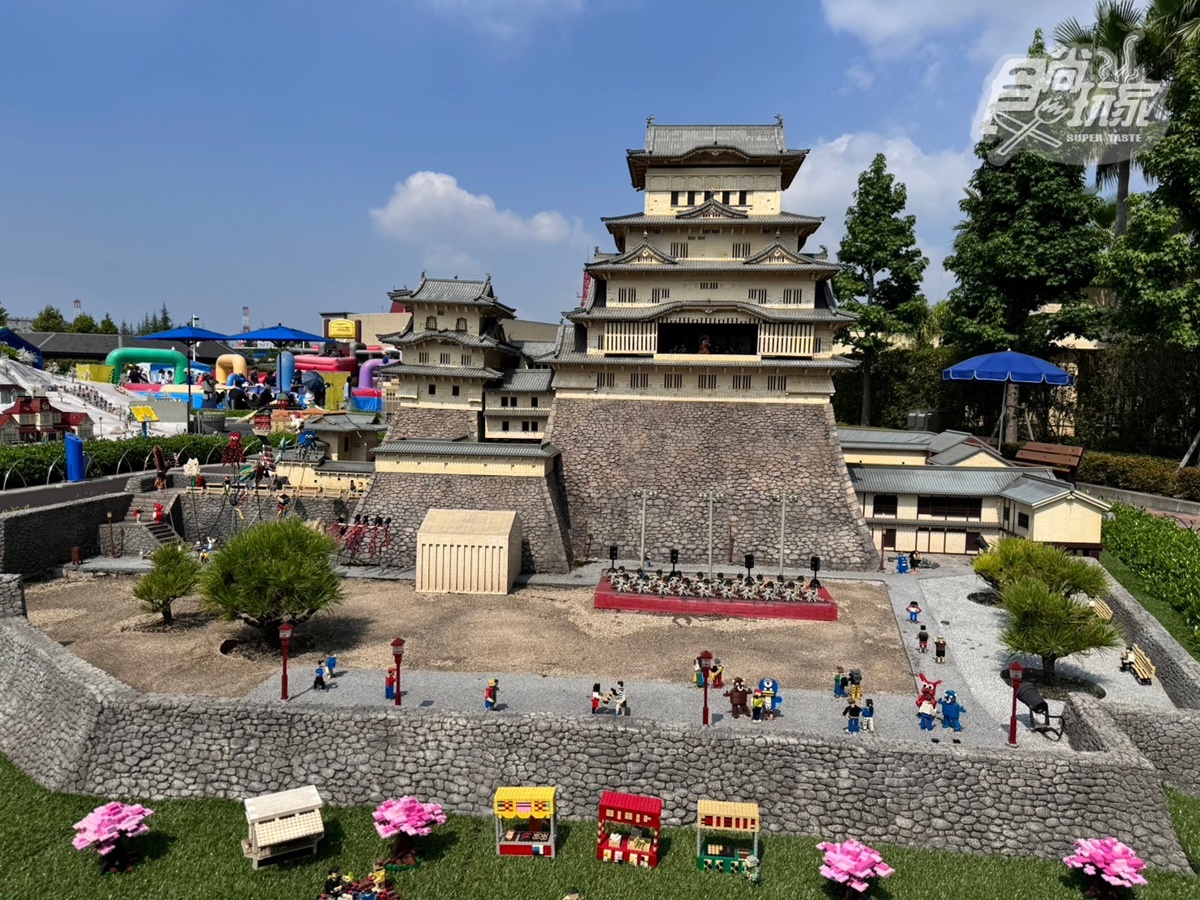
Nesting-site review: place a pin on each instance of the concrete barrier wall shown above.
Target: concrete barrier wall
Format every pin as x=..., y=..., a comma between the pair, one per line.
x=74, y=728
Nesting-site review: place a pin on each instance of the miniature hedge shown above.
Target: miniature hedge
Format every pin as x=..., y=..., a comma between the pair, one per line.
x=1163, y=555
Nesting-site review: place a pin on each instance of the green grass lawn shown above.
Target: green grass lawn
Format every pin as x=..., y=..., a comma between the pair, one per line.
x=193, y=851
x=1161, y=610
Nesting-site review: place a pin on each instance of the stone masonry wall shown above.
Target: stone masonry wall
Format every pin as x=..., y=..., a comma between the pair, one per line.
x=12, y=597
x=1168, y=741
x=1178, y=672
x=748, y=452
x=196, y=516
x=406, y=498
x=449, y=424
x=76, y=729
x=36, y=540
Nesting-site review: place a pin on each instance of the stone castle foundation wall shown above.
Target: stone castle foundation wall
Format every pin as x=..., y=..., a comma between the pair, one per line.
x=406, y=498
x=196, y=516
x=74, y=728
x=36, y=540
x=748, y=452
x=444, y=424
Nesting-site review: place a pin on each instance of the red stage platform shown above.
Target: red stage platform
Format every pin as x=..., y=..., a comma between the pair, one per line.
x=824, y=611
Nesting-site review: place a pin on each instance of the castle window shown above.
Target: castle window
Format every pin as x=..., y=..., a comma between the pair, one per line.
x=792, y=295
x=627, y=295
x=454, y=390
x=605, y=379
x=742, y=382
x=1023, y=521
x=432, y=390
x=679, y=249
x=657, y=294
x=741, y=250
x=709, y=285
x=525, y=426
x=776, y=382
x=639, y=380
x=884, y=505
x=725, y=197
x=758, y=295
x=460, y=325
x=675, y=198
x=673, y=382
x=533, y=402
x=444, y=359
x=467, y=359
x=431, y=323
x=423, y=357
x=707, y=383
x=691, y=198
x=441, y=310
x=742, y=198
x=817, y=346
x=708, y=195
x=504, y=425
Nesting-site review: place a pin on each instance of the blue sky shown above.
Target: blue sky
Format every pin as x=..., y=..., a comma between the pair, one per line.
x=298, y=156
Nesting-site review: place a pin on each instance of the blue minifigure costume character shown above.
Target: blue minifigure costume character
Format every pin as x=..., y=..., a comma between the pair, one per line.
x=331, y=664
x=913, y=609
x=770, y=690
x=951, y=711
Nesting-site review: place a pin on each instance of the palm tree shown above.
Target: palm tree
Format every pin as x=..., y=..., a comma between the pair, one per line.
x=1048, y=624
x=1172, y=26
x=1114, y=37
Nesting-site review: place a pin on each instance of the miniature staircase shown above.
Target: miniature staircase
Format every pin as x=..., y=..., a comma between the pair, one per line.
x=163, y=533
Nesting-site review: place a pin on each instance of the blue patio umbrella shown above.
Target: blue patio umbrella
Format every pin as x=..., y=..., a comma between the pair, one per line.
x=280, y=334
x=188, y=335
x=1005, y=366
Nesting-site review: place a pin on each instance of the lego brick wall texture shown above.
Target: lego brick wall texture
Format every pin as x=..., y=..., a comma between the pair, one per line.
x=12, y=597
x=36, y=540
x=1178, y=671
x=408, y=497
x=76, y=729
x=748, y=452
x=445, y=424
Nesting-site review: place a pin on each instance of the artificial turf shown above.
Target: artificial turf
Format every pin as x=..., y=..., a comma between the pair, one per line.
x=1170, y=618
x=193, y=852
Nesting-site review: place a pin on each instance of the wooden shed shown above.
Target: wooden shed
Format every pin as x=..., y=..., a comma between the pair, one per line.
x=468, y=551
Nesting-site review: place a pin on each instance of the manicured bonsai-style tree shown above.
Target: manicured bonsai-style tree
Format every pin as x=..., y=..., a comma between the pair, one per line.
x=107, y=830
x=403, y=820
x=1110, y=865
x=1011, y=558
x=1051, y=625
x=272, y=573
x=854, y=865
x=174, y=575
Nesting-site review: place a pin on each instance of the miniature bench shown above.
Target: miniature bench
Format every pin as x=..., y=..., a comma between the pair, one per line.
x=283, y=825
x=1103, y=610
x=1143, y=668
x=1063, y=460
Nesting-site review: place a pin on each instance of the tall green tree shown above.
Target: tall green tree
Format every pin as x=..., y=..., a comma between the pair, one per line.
x=1052, y=626
x=83, y=324
x=881, y=273
x=1116, y=33
x=1172, y=28
x=1174, y=161
x=107, y=325
x=164, y=319
x=3, y=317
x=49, y=319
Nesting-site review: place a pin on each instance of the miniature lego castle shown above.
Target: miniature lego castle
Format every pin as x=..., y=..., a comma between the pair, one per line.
x=697, y=369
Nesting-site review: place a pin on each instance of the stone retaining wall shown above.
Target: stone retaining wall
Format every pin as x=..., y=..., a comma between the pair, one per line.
x=12, y=597
x=406, y=498
x=749, y=452
x=76, y=729
x=1175, y=668
x=36, y=540
x=197, y=516
x=1169, y=740
x=446, y=424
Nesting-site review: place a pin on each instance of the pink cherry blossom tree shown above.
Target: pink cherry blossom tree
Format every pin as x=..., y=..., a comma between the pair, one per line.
x=107, y=830
x=1108, y=863
x=404, y=819
x=853, y=864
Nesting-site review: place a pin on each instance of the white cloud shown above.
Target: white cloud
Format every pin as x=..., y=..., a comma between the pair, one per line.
x=893, y=29
x=429, y=208
x=935, y=182
x=859, y=76
x=507, y=19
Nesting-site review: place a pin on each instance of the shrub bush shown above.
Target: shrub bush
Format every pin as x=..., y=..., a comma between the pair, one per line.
x=1165, y=556
x=1149, y=474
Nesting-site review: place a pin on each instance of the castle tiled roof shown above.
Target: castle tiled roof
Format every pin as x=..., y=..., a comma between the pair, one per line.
x=423, y=447
x=778, y=220
x=697, y=144
x=712, y=360
x=532, y=380
x=438, y=371
x=767, y=313
x=456, y=291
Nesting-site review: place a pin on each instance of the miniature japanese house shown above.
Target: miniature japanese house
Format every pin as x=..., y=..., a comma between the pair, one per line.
x=730, y=818
x=525, y=821
x=283, y=825
x=629, y=827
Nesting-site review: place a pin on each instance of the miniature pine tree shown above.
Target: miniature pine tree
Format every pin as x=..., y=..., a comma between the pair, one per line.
x=174, y=575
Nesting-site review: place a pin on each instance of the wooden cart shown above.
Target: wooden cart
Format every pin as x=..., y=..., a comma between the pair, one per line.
x=736, y=818
x=643, y=814
x=283, y=825
x=525, y=823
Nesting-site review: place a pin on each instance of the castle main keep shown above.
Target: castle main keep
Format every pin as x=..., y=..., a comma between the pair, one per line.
x=695, y=376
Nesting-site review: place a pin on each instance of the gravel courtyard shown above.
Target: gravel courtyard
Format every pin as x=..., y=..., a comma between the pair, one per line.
x=536, y=631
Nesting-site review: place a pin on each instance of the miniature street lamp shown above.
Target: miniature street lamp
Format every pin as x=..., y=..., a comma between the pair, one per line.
x=398, y=653
x=815, y=564
x=285, y=638
x=706, y=661
x=1015, y=670
x=112, y=544
x=613, y=550
x=674, y=560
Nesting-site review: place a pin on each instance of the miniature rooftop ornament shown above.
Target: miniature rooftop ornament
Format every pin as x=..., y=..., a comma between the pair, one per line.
x=854, y=865
x=1109, y=864
x=107, y=830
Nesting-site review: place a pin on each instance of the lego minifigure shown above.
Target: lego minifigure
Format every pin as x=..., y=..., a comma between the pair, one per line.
x=852, y=713
x=939, y=649
x=839, y=682
x=770, y=689
x=596, y=697
x=1127, y=659
x=490, y=693
x=738, y=695
x=751, y=870
x=698, y=673
x=319, y=681
x=333, y=884
x=913, y=609
x=856, y=686
x=389, y=684
x=923, y=640
x=572, y=894
x=331, y=664
x=758, y=703
x=619, y=700
x=925, y=711
x=718, y=674
x=868, y=716
x=951, y=711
